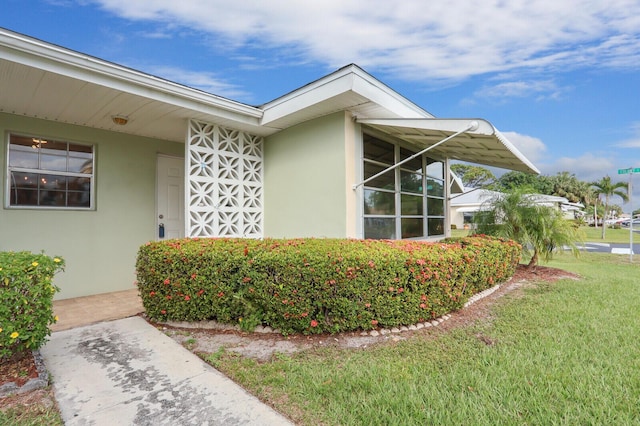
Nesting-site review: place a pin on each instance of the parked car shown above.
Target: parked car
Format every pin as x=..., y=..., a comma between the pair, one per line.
x=627, y=223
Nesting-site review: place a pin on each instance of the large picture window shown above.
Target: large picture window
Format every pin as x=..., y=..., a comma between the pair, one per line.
x=405, y=202
x=49, y=173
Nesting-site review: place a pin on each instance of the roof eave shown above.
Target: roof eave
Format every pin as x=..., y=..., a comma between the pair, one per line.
x=35, y=53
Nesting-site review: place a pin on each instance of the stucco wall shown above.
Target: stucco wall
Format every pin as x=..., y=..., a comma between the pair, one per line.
x=305, y=181
x=99, y=246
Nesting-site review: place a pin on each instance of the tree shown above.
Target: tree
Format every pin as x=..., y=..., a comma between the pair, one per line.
x=604, y=187
x=473, y=176
x=541, y=230
x=524, y=181
x=567, y=185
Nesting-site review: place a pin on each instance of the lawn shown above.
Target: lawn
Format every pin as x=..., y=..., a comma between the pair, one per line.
x=590, y=233
x=560, y=353
x=621, y=235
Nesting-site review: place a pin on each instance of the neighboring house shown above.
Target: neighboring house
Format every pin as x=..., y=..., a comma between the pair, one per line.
x=464, y=206
x=99, y=159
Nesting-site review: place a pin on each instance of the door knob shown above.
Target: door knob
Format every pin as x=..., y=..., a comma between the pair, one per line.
x=161, y=216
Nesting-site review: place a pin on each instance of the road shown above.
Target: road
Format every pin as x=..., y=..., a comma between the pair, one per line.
x=614, y=248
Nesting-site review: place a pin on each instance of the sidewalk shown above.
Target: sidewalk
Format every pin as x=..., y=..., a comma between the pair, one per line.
x=126, y=372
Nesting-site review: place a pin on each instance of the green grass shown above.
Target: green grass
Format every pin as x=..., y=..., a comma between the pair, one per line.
x=590, y=233
x=30, y=414
x=561, y=353
x=611, y=235
x=460, y=232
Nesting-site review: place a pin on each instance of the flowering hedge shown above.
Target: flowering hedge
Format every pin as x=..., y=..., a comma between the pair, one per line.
x=318, y=285
x=26, y=292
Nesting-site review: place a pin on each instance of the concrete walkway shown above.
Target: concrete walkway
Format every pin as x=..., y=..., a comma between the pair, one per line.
x=126, y=372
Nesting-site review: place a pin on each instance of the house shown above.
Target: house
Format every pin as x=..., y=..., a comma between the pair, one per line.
x=465, y=205
x=99, y=159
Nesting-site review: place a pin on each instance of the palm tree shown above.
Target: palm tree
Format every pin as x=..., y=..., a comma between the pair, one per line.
x=541, y=230
x=567, y=185
x=609, y=189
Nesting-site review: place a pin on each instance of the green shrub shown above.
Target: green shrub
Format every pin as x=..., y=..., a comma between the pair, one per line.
x=26, y=292
x=318, y=285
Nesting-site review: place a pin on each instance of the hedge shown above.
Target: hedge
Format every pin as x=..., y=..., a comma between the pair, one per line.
x=26, y=292
x=317, y=285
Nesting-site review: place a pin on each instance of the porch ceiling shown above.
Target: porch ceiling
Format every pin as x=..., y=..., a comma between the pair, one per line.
x=484, y=145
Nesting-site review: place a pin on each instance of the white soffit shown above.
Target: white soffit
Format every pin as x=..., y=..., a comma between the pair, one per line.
x=482, y=145
x=348, y=89
x=41, y=80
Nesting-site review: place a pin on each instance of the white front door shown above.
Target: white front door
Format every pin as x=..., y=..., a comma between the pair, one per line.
x=170, y=197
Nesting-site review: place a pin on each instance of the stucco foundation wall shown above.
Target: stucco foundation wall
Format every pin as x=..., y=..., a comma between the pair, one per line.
x=304, y=180
x=99, y=246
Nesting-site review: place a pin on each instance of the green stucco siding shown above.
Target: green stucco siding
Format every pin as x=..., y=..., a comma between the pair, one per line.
x=99, y=246
x=304, y=180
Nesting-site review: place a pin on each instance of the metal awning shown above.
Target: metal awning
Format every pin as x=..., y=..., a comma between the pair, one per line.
x=481, y=144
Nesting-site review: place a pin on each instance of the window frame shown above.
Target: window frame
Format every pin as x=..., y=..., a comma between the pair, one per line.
x=10, y=170
x=400, y=152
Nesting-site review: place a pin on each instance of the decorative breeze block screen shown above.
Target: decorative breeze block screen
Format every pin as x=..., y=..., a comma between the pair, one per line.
x=224, y=182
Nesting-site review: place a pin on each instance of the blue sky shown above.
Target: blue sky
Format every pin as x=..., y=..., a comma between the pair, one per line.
x=561, y=79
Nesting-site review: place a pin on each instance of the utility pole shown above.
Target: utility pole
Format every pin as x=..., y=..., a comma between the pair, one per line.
x=630, y=191
x=630, y=171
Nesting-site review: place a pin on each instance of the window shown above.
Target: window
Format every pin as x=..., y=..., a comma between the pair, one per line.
x=49, y=173
x=406, y=202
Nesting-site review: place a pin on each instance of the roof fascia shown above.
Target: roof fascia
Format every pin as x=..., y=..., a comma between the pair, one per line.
x=350, y=78
x=41, y=55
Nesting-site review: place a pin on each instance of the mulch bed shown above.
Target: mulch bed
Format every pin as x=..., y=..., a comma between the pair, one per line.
x=18, y=370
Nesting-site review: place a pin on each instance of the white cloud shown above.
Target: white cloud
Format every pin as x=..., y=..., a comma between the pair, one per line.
x=630, y=143
x=531, y=147
x=536, y=89
x=588, y=166
x=416, y=39
x=634, y=140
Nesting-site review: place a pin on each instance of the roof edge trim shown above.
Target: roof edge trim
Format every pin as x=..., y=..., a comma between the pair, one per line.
x=33, y=52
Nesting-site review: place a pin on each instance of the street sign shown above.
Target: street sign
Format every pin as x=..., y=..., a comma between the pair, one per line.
x=629, y=170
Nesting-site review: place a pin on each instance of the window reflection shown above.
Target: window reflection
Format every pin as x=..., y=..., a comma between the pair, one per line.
x=435, y=226
x=406, y=218
x=412, y=205
x=412, y=227
x=48, y=173
x=435, y=206
x=410, y=182
x=379, y=228
x=435, y=168
x=379, y=202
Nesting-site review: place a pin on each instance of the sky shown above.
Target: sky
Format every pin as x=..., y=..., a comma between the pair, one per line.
x=560, y=78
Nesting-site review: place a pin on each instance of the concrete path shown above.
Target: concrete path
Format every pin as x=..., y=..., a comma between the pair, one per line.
x=126, y=372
